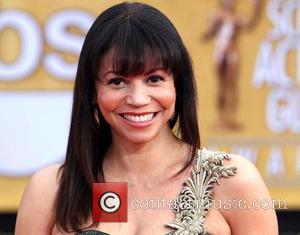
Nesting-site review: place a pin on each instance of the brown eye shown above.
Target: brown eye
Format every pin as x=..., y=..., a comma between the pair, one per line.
x=117, y=82
x=155, y=79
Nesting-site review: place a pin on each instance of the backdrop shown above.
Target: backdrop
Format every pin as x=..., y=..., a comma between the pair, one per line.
x=39, y=46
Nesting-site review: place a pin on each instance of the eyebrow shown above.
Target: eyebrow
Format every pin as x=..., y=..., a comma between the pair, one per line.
x=109, y=71
x=101, y=77
x=155, y=69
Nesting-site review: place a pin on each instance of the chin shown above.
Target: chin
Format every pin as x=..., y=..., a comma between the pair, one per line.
x=139, y=139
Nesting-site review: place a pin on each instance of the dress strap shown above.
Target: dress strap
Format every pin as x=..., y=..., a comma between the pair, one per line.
x=194, y=200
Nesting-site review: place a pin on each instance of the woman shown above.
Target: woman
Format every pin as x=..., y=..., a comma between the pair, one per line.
x=134, y=83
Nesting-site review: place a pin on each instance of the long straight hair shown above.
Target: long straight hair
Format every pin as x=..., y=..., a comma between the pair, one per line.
x=138, y=37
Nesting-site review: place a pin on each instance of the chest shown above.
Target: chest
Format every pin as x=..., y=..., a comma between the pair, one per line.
x=149, y=212
x=152, y=222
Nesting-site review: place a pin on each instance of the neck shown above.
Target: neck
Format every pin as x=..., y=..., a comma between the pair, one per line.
x=137, y=163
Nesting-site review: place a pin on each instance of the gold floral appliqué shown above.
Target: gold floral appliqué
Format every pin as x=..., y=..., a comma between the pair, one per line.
x=195, y=198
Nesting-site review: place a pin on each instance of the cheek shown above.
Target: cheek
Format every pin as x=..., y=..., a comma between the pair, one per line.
x=167, y=98
x=107, y=100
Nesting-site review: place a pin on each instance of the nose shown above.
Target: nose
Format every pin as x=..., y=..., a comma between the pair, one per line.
x=138, y=95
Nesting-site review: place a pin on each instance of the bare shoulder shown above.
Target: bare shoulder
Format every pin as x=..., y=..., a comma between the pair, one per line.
x=247, y=173
x=35, y=213
x=48, y=175
x=245, y=196
x=243, y=182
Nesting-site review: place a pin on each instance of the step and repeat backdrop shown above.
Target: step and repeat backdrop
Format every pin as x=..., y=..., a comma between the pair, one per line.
x=247, y=66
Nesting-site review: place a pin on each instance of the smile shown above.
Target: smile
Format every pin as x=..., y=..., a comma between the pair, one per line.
x=139, y=118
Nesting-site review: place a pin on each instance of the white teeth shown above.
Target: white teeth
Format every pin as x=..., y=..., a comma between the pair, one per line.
x=142, y=118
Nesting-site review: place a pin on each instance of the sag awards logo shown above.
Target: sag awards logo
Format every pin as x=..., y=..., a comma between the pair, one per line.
x=54, y=35
x=279, y=53
x=35, y=116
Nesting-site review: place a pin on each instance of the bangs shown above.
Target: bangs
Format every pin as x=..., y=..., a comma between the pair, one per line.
x=138, y=48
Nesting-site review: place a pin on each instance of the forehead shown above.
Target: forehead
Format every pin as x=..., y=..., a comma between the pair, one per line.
x=105, y=64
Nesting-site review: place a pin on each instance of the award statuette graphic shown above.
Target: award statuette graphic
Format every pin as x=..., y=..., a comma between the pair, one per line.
x=225, y=25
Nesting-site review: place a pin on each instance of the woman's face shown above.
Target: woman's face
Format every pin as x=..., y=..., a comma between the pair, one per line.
x=137, y=107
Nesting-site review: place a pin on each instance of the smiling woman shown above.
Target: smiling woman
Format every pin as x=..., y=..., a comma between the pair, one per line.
x=133, y=85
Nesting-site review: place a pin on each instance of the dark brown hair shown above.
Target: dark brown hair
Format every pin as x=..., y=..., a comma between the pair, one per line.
x=139, y=36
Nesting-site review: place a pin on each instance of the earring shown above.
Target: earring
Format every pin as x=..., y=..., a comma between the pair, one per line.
x=96, y=111
x=173, y=119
